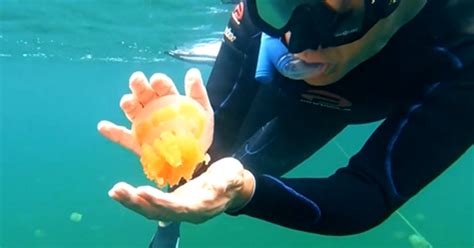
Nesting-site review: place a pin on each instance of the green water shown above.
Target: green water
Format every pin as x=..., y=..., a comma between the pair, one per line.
x=64, y=66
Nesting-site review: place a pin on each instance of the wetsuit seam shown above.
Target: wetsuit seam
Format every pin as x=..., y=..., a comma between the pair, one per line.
x=239, y=77
x=248, y=151
x=394, y=139
x=312, y=204
x=236, y=82
x=455, y=60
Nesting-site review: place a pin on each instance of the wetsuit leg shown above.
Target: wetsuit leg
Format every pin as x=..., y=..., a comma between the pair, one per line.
x=407, y=151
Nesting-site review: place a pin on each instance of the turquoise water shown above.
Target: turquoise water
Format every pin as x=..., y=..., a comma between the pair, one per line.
x=64, y=64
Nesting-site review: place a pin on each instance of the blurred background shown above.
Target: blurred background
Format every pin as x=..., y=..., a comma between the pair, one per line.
x=64, y=65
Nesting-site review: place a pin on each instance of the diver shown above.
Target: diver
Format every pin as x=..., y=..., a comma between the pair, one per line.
x=406, y=63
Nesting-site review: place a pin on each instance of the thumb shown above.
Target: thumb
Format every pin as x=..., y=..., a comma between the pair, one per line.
x=194, y=88
x=119, y=134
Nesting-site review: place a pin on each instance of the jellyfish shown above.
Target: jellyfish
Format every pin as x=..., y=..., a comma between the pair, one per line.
x=39, y=233
x=170, y=132
x=75, y=217
x=418, y=241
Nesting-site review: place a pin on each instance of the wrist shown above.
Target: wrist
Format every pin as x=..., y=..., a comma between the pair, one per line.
x=243, y=193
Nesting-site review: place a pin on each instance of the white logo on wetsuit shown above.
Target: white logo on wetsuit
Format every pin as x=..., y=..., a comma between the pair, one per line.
x=229, y=35
x=326, y=99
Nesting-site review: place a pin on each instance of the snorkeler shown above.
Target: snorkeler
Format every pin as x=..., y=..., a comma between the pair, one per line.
x=408, y=63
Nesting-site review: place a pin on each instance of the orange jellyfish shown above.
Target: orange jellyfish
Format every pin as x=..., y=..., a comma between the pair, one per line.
x=170, y=131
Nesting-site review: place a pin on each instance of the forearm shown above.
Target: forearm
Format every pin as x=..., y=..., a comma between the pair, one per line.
x=339, y=205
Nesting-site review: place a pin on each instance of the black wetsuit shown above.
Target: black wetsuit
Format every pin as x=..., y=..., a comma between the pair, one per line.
x=421, y=84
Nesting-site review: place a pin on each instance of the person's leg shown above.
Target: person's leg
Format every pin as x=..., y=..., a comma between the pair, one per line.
x=409, y=150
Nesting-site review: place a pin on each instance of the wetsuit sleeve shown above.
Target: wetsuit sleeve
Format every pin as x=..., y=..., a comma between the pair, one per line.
x=235, y=58
x=231, y=86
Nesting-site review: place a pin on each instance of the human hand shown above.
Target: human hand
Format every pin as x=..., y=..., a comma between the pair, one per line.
x=226, y=185
x=144, y=93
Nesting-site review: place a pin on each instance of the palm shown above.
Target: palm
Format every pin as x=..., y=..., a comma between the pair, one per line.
x=216, y=190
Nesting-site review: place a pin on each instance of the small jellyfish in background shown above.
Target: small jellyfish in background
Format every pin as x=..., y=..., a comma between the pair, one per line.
x=75, y=217
x=420, y=217
x=39, y=233
x=417, y=241
x=399, y=235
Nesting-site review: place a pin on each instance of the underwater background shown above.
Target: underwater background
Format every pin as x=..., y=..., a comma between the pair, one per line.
x=64, y=65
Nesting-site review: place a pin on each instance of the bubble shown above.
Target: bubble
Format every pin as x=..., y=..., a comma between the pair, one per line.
x=75, y=217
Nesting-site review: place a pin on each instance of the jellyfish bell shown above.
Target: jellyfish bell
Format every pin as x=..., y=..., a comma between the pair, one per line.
x=420, y=217
x=399, y=235
x=75, y=217
x=173, y=135
x=39, y=233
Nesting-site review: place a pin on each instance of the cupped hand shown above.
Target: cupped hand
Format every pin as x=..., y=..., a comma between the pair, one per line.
x=226, y=185
x=143, y=92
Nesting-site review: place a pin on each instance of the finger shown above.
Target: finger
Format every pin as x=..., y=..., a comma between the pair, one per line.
x=126, y=195
x=152, y=195
x=120, y=188
x=130, y=106
x=167, y=203
x=140, y=88
x=163, y=85
x=166, y=207
x=121, y=192
x=195, y=89
x=119, y=134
